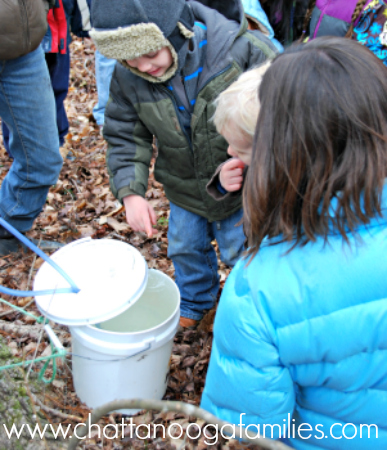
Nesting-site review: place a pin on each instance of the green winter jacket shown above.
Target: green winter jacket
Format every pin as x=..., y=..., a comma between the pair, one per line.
x=138, y=110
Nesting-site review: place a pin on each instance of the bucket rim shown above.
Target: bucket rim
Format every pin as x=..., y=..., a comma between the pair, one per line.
x=134, y=333
x=55, y=307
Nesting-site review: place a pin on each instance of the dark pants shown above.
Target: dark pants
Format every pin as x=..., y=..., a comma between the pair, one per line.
x=59, y=68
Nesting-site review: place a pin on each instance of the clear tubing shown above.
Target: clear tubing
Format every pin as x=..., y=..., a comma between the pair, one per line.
x=73, y=287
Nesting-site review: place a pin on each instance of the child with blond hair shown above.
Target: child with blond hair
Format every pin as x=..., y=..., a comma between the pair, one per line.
x=235, y=118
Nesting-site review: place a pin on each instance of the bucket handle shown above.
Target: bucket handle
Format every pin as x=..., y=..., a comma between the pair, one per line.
x=73, y=289
x=97, y=345
x=142, y=350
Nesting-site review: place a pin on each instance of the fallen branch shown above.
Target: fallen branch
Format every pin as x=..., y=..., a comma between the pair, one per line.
x=53, y=411
x=185, y=408
x=31, y=331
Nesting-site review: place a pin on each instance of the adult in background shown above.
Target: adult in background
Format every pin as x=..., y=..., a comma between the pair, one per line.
x=104, y=68
x=66, y=15
x=27, y=106
x=364, y=21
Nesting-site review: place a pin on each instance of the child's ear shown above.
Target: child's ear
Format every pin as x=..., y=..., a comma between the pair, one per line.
x=188, y=34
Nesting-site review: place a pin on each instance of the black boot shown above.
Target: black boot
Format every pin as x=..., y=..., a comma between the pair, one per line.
x=5, y=234
x=8, y=246
x=8, y=243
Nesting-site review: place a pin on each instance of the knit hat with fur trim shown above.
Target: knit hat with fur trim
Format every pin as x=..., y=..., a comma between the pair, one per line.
x=127, y=29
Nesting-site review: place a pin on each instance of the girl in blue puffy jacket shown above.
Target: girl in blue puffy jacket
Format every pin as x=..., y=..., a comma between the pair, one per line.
x=300, y=341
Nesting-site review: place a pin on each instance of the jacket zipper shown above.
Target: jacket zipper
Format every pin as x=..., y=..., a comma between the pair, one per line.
x=214, y=76
x=321, y=18
x=177, y=115
x=189, y=140
x=25, y=28
x=209, y=80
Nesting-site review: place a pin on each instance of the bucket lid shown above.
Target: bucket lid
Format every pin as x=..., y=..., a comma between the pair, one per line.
x=110, y=274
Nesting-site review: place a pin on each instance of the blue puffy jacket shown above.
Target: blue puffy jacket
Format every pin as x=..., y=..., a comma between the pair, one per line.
x=301, y=338
x=254, y=11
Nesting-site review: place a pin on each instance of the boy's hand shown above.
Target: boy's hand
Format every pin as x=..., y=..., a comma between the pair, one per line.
x=140, y=215
x=231, y=175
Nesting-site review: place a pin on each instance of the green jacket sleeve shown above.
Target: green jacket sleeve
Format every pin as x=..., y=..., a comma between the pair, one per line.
x=259, y=49
x=129, y=141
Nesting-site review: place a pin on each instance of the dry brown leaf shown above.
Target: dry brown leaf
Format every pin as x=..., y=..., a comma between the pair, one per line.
x=118, y=226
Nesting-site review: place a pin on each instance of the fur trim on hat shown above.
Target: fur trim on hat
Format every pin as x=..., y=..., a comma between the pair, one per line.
x=167, y=75
x=129, y=42
x=185, y=31
x=137, y=40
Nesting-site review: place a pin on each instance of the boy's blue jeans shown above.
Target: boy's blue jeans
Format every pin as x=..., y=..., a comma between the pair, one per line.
x=194, y=257
x=103, y=73
x=27, y=106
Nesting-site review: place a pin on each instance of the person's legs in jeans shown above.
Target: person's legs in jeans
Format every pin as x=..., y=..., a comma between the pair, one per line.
x=103, y=73
x=27, y=106
x=59, y=68
x=230, y=237
x=195, y=261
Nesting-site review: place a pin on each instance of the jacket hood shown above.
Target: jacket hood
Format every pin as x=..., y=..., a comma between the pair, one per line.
x=225, y=21
x=127, y=29
x=148, y=32
x=232, y=10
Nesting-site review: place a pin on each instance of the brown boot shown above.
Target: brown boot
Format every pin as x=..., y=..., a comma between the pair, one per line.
x=185, y=322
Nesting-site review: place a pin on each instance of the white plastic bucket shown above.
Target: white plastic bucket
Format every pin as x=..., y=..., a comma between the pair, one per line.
x=122, y=321
x=130, y=357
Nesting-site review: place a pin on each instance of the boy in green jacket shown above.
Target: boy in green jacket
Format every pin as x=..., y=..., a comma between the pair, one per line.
x=176, y=57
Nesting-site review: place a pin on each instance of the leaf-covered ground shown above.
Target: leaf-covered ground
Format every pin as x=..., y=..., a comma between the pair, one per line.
x=81, y=205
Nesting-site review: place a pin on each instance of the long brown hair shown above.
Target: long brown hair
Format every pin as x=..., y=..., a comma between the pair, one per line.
x=320, y=149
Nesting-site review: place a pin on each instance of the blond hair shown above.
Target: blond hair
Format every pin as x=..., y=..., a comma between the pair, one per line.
x=239, y=103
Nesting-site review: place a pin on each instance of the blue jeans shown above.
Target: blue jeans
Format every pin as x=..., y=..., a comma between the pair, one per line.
x=103, y=73
x=194, y=257
x=27, y=106
x=59, y=68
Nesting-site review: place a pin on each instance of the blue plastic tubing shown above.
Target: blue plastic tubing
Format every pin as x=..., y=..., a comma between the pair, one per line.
x=73, y=289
